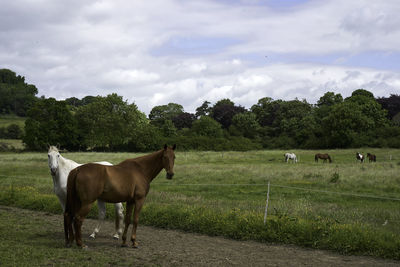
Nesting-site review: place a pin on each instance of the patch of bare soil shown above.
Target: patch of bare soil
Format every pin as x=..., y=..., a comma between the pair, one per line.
x=162, y=247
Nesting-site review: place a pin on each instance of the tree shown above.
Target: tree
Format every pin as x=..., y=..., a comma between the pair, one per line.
x=203, y=110
x=369, y=107
x=363, y=93
x=223, y=112
x=50, y=122
x=323, y=109
x=355, y=122
x=9, y=77
x=207, y=126
x=16, y=95
x=391, y=104
x=145, y=138
x=13, y=131
x=108, y=122
x=168, y=129
x=73, y=101
x=161, y=113
x=329, y=99
x=184, y=120
x=344, y=123
x=246, y=124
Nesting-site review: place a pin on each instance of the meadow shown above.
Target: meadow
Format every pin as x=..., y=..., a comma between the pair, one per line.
x=6, y=120
x=344, y=206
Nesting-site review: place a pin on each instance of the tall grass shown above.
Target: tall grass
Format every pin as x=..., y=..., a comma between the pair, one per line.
x=344, y=206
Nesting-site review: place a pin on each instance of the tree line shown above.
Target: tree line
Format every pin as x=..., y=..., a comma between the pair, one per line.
x=109, y=123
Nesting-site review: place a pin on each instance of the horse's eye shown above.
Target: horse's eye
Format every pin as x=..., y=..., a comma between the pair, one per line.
x=48, y=156
x=58, y=156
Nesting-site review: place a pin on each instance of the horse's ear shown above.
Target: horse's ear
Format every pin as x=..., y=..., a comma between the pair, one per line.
x=165, y=147
x=58, y=146
x=174, y=147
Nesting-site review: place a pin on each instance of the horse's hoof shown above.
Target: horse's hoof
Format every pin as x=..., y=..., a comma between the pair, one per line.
x=92, y=236
x=67, y=245
x=135, y=245
x=84, y=247
x=124, y=246
x=116, y=236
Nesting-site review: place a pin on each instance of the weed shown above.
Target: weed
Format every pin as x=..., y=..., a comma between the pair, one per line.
x=334, y=178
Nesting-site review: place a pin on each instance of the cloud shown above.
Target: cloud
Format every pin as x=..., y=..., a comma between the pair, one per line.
x=186, y=52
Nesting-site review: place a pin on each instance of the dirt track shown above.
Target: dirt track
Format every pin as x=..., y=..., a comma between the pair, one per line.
x=161, y=247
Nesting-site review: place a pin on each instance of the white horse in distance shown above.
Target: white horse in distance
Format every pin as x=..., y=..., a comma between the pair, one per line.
x=291, y=156
x=60, y=168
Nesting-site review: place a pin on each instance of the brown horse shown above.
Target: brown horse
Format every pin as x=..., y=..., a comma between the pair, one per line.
x=371, y=157
x=323, y=156
x=129, y=182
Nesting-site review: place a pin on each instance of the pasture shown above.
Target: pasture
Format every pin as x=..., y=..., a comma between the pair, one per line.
x=344, y=206
x=6, y=120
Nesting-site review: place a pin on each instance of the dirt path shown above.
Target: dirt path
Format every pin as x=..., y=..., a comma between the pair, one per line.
x=159, y=247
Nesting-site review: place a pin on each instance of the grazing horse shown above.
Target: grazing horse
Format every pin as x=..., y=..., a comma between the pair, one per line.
x=360, y=157
x=129, y=182
x=291, y=156
x=59, y=169
x=371, y=157
x=323, y=157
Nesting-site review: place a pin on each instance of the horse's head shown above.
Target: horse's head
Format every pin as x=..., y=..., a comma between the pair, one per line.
x=169, y=160
x=53, y=155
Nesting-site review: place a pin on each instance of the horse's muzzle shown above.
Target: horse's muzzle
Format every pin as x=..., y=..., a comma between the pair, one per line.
x=53, y=171
x=170, y=175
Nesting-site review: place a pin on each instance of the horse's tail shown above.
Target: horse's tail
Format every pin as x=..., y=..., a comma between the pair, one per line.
x=71, y=206
x=329, y=158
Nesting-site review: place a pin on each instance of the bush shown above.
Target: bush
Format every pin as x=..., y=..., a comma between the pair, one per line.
x=203, y=143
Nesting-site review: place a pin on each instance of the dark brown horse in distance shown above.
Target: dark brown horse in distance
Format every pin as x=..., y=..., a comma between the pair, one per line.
x=323, y=157
x=129, y=182
x=371, y=157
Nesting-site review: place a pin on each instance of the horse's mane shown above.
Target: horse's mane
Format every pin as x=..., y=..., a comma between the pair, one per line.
x=141, y=158
x=53, y=148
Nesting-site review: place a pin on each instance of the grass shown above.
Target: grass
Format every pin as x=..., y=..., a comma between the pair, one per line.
x=6, y=120
x=13, y=143
x=26, y=242
x=344, y=206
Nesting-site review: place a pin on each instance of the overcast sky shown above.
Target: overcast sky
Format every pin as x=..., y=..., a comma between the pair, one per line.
x=188, y=51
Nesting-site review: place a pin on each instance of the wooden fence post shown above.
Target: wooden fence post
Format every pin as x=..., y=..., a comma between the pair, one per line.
x=266, y=206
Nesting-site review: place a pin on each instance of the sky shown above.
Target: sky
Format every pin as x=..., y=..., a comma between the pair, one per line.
x=190, y=51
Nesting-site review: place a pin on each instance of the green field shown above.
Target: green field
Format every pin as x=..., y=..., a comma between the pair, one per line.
x=13, y=143
x=344, y=206
x=6, y=120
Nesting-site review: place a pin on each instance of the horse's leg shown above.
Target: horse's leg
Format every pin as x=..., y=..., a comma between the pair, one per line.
x=102, y=215
x=138, y=206
x=119, y=217
x=128, y=215
x=78, y=220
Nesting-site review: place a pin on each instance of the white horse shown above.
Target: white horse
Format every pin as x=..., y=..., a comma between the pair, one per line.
x=291, y=156
x=60, y=168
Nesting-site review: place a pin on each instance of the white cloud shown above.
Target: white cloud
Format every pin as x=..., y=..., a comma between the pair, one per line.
x=186, y=52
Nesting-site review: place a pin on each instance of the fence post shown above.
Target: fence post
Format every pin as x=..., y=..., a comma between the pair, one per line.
x=266, y=206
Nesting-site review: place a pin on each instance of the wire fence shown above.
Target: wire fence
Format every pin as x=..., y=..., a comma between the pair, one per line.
x=290, y=187
x=261, y=207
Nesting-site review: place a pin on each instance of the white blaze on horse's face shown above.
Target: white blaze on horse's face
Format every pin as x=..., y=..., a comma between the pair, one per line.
x=169, y=161
x=53, y=157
